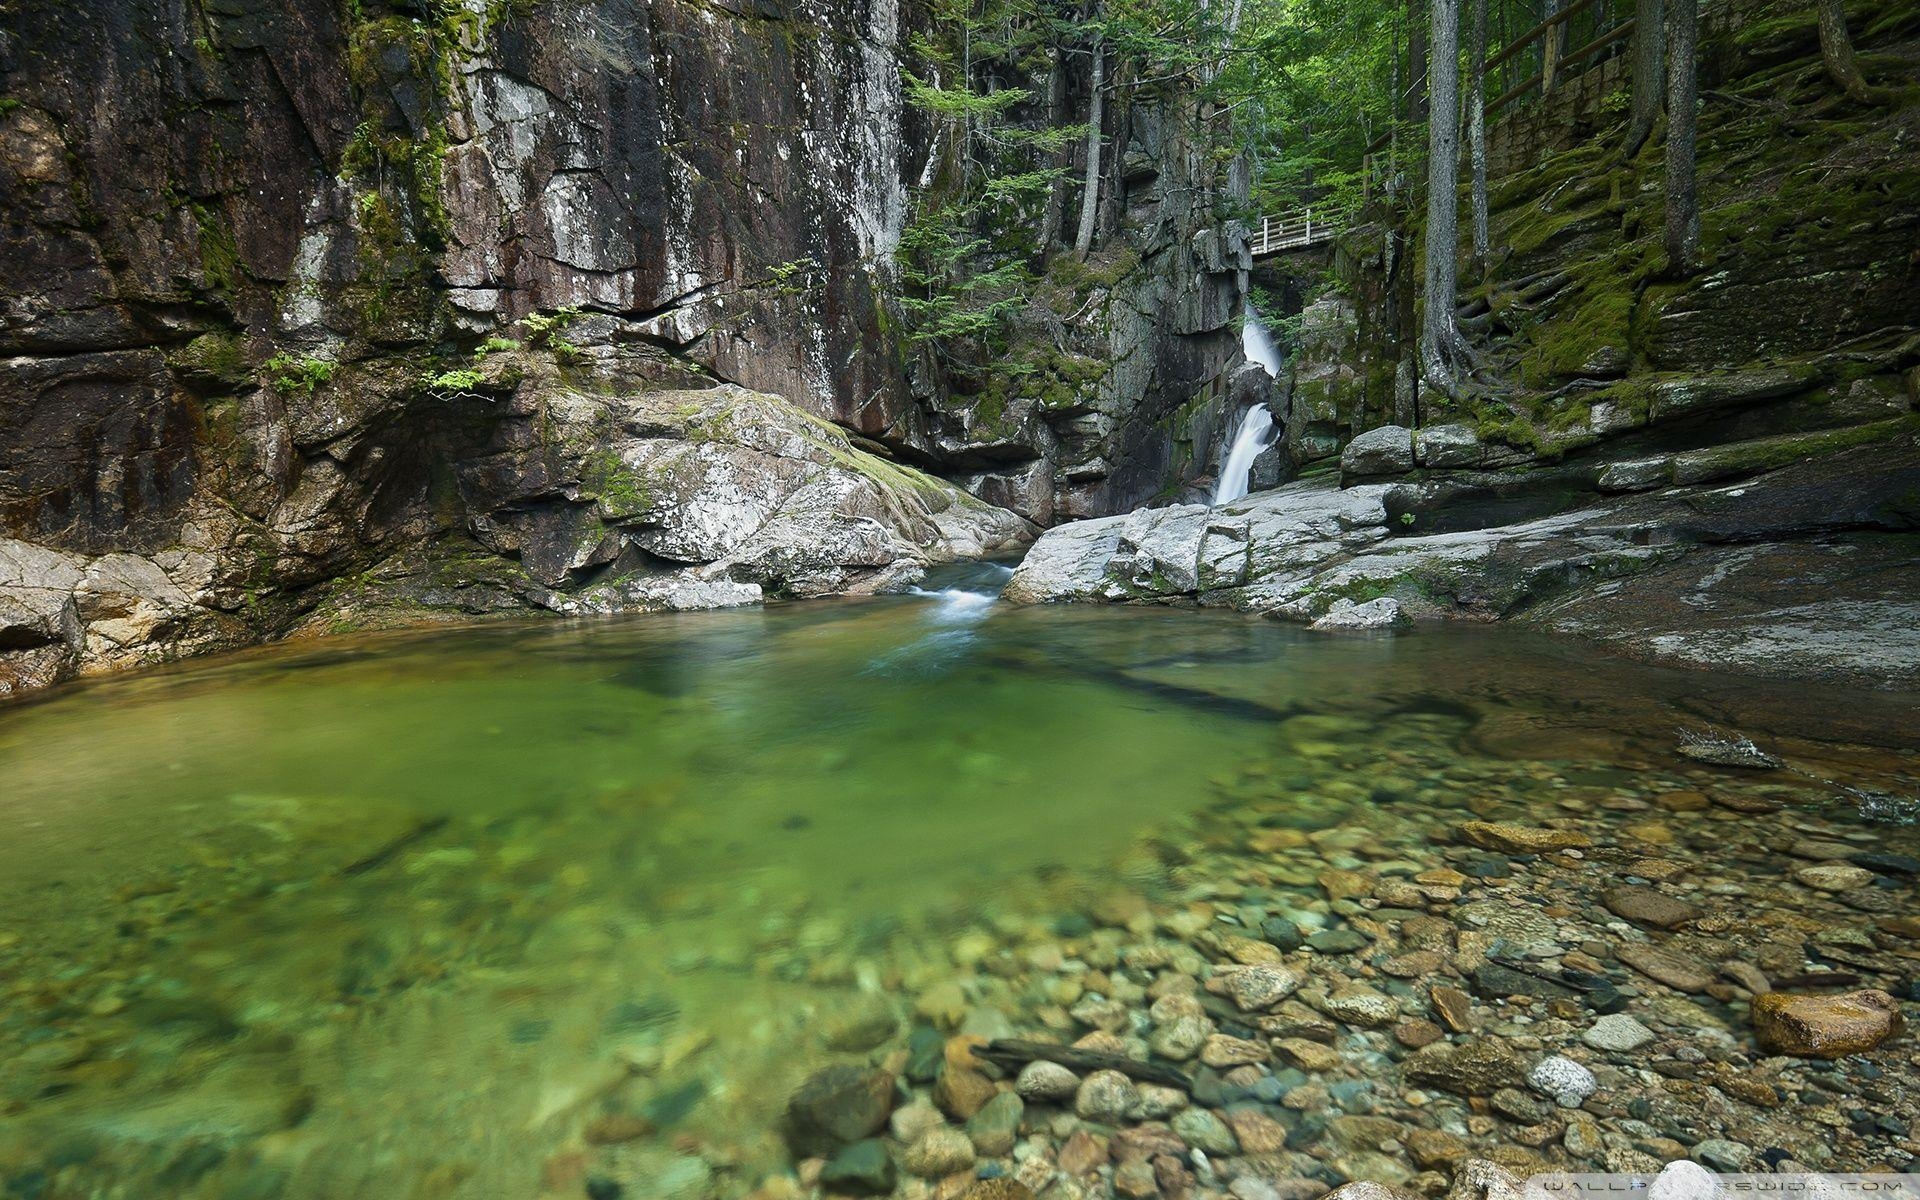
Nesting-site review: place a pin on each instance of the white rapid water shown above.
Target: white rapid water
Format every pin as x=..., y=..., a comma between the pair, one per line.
x=1258, y=346
x=972, y=589
x=1247, y=445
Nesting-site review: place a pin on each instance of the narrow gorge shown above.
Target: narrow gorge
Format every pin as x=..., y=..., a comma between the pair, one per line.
x=959, y=599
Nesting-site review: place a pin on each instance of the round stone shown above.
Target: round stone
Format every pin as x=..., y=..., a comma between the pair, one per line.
x=1045, y=1082
x=1562, y=1080
x=1107, y=1097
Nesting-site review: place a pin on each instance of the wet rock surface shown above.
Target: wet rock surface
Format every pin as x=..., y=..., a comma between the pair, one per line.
x=1804, y=570
x=590, y=488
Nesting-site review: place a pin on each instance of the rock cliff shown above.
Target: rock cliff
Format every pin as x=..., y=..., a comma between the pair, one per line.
x=299, y=300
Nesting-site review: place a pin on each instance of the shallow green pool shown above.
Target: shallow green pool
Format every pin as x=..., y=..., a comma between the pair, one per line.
x=400, y=914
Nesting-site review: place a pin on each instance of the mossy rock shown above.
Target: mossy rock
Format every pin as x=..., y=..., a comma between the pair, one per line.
x=213, y=362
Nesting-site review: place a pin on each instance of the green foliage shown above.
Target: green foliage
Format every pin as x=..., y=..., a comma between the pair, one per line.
x=297, y=376
x=954, y=285
x=545, y=331
x=792, y=278
x=454, y=384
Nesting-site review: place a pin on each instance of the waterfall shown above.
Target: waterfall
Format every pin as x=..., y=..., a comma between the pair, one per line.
x=1247, y=445
x=1258, y=345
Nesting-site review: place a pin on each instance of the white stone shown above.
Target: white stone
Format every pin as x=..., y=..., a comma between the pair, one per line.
x=1045, y=1082
x=1564, y=1081
x=1381, y=613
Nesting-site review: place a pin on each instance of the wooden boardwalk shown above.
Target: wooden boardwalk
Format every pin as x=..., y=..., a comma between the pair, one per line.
x=1280, y=233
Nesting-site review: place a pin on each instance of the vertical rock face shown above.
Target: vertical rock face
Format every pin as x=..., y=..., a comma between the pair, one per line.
x=726, y=181
x=264, y=259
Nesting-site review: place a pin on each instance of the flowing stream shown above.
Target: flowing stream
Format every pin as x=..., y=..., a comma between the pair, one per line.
x=1256, y=429
x=1258, y=346
x=403, y=914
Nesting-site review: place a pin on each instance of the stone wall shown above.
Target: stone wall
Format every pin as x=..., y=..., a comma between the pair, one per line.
x=1537, y=125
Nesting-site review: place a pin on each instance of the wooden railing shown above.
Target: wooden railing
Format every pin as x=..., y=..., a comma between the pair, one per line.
x=1275, y=234
x=1553, y=61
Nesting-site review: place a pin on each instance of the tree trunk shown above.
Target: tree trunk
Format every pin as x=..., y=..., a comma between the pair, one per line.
x=1836, y=51
x=1063, y=158
x=1649, y=78
x=1477, y=136
x=1682, y=204
x=1553, y=43
x=1441, y=346
x=1090, y=193
x=1416, y=65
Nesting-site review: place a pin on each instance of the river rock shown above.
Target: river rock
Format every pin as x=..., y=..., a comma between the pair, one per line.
x=1454, y=1008
x=1337, y=941
x=1257, y=1132
x=1250, y=951
x=1521, y=839
x=1516, y=1105
x=1281, y=933
x=1723, y=1155
x=1359, y=1005
x=1387, y=450
x=1644, y=906
x=994, y=1128
x=836, y=1106
x=962, y=1087
x=1345, y=885
x=939, y=1152
x=1834, y=877
x=1481, y=1179
x=1562, y=1080
x=1046, y=1083
x=914, y=1118
x=1204, y=1131
x=861, y=1169
x=1683, y=1179
x=1675, y=970
x=1368, y=1190
x=1222, y=1051
x=1475, y=1066
x=1181, y=1038
x=1258, y=988
x=1107, y=1097
x=1825, y=1026
x=1417, y=1033
x=1382, y=612
x=1617, y=1032
x=1494, y=980
x=1307, y=1054
x=1002, y=1188
x=1886, y=863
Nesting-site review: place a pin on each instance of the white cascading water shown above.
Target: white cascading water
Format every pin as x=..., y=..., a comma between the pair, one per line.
x=976, y=587
x=1247, y=445
x=1258, y=346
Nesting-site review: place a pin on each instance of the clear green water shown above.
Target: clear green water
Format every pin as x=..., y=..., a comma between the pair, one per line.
x=395, y=915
